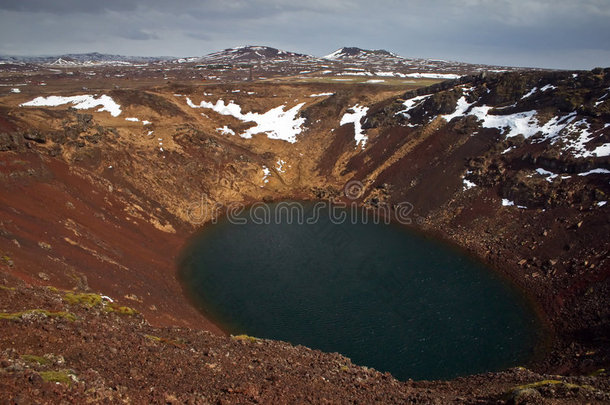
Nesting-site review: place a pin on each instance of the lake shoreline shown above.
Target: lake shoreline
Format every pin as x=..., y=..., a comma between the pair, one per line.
x=542, y=334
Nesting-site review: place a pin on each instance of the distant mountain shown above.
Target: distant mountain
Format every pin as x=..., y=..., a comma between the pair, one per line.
x=81, y=59
x=249, y=54
x=358, y=53
x=351, y=61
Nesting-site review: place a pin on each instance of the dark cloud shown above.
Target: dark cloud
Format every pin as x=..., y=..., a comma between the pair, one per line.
x=67, y=6
x=138, y=35
x=547, y=33
x=199, y=35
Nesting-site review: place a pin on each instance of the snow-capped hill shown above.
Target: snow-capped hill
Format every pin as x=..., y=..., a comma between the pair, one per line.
x=567, y=111
x=358, y=53
x=63, y=62
x=250, y=54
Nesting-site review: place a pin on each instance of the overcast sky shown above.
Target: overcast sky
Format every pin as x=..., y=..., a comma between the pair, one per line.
x=541, y=33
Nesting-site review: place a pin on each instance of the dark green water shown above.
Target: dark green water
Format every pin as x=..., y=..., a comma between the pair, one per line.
x=380, y=294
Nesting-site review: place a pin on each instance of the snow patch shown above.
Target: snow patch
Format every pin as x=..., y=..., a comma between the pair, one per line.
x=355, y=117
x=602, y=150
x=15, y=90
x=460, y=109
x=545, y=173
x=446, y=76
x=266, y=174
x=412, y=103
x=508, y=203
x=595, y=171
x=83, y=102
x=532, y=91
x=518, y=123
x=321, y=94
x=225, y=130
x=390, y=74
x=276, y=123
x=468, y=184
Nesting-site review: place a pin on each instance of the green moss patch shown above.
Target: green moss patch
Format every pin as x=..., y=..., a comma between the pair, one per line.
x=170, y=342
x=87, y=300
x=245, y=338
x=51, y=314
x=6, y=260
x=120, y=310
x=30, y=358
x=62, y=377
x=543, y=383
x=599, y=373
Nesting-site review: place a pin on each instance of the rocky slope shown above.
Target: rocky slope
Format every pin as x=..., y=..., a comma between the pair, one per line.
x=388, y=62
x=61, y=346
x=102, y=191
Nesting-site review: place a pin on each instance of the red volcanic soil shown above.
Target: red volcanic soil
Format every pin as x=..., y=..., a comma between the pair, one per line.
x=93, y=204
x=59, y=228
x=62, y=347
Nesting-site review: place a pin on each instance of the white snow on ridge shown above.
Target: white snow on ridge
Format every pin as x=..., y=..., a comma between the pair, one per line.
x=549, y=175
x=354, y=74
x=602, y=150
x=387, y=74
x=548, y=87
x=355, y=118
x=83, y=102
x=321, y=94
x=573, y=135
x=446, y=76
x=134, y=119
x=225, y=130
x=461, y=108
x=276, y=123
x=518, y=123
x=595, y=171
x=266, y=174
x=468, y=184
x=412, y=103
x=602, y=98
x=535, y=89
x=532, y=91
x=15, y=90
x=333, y=55
x=508, y=203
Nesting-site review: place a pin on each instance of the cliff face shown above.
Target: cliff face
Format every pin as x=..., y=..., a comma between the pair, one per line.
x=512, y=167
